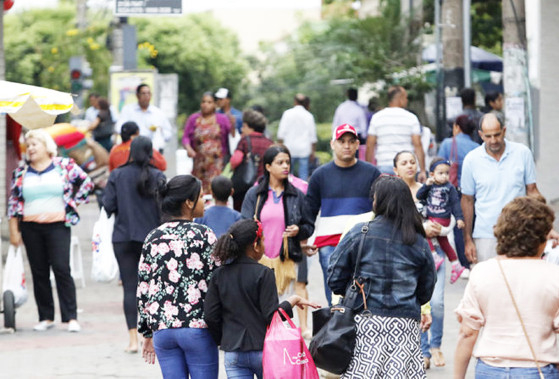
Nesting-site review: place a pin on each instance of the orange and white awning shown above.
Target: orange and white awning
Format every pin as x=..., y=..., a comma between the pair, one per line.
x=34, y=107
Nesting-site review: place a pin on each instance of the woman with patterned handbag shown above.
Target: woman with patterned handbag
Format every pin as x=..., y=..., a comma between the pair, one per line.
x=398, y=275
x=515, y=299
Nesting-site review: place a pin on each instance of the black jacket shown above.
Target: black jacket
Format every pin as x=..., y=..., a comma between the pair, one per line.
x=294, y=210
x=241, y=300
x=135, y=215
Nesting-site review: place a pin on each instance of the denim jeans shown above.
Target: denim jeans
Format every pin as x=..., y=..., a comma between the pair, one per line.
x=243, y=364
x=186, y=351
x=437, y=312
x=485, y=371
x=302, y=167
x=324, y=254
x=459, y=243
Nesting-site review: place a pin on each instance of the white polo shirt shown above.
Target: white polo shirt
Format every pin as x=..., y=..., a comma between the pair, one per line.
x=394, y=128
x=495, y=183
x=298, y=131
x=349, y=112
x=151, y=118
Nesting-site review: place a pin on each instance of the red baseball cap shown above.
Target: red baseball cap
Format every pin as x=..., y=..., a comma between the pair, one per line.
x=343, y=129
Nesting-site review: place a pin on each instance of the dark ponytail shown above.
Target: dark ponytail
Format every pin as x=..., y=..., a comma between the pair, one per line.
x=141, y=151
x=234, y=243
x=174, y=193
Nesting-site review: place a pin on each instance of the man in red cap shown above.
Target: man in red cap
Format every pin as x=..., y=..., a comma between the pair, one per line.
x=339, y=190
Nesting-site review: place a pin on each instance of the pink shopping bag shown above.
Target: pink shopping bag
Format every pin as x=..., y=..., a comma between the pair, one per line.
x=285, y=354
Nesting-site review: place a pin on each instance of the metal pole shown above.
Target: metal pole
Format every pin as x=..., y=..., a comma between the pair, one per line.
x=82, y=14
x=440, y=98
x=467, y=28
x=3, y=148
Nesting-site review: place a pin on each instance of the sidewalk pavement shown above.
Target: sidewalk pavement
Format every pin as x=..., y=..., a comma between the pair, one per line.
x=98, y=350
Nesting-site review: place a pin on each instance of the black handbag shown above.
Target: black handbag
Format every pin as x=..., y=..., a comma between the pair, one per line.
x=334, y=329
x=291, y=249
x=245, y=174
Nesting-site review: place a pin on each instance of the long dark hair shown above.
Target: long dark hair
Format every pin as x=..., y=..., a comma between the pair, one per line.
x=269, y=157
x=393, y=200
x=178, y=190
x=234, y=243
x=141, y=151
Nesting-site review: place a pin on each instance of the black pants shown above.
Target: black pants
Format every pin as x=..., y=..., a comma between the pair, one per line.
x=48, y=246
x=128, y=257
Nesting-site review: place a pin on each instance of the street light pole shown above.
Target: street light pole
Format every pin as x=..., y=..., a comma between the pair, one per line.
x=467, y=26
x=2, y=125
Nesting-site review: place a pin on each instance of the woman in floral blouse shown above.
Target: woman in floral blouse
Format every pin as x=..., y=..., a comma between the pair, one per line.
x=174, y=272
x=43, y=203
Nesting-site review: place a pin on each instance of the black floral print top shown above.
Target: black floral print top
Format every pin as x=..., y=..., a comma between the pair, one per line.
x=173, y=276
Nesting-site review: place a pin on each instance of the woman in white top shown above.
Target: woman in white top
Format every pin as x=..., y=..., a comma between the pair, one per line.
x=518, y=340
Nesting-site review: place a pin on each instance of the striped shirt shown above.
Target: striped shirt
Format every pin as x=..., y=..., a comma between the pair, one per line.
x=43, y=196
x=339, y=193
x=394, y=128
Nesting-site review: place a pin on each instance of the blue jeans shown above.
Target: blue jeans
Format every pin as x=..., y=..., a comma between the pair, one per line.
x=302, y=167
x=485, y=371
x=243, y=364
x=324, y=254
x=437, y=312
x=186, y=351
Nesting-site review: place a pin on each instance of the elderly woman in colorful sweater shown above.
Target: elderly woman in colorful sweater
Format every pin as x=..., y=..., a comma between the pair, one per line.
x=43, y=204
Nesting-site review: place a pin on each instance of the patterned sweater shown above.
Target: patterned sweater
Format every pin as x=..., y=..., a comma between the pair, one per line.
x=77, y=186
x=173, y=276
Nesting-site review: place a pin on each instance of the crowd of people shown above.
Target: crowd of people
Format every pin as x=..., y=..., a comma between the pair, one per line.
x=199, y=278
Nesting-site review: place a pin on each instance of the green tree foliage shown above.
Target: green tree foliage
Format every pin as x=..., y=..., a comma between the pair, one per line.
x=487, y=25
x=340, y=50
x=204, y=54
x=40, y=42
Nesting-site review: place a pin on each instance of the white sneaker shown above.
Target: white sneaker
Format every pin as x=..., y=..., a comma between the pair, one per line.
x=43, y=325
x=74, y=327
x=465, y=274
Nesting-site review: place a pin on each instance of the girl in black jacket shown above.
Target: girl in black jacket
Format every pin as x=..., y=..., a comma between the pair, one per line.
x=242, y=298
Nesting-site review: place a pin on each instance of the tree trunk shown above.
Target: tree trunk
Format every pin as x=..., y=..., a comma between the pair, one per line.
x=515, y=66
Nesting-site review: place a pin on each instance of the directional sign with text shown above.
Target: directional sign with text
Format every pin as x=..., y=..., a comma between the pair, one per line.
x=148, y=7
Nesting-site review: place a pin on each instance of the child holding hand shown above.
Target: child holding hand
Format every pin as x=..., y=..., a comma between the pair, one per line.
x=442, y=202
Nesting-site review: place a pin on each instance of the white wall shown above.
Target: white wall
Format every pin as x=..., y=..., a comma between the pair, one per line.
x=543, y=49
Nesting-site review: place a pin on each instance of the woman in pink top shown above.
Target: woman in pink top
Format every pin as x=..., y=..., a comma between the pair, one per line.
x=280, y=207
x=504, y=348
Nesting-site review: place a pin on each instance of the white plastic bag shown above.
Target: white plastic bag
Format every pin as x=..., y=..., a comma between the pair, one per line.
x=104, y=267
x=14, y=275
x=233, y=141
x=551, y=253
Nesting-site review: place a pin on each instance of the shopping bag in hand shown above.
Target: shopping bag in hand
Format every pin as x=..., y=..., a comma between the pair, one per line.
x=105, y=266
x=14, y=275
x=285, y=354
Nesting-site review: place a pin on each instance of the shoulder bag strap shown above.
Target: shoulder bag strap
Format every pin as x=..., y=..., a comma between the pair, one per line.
x=521, y=321
x=256, y=208
x=364, y=230
x=249, y=146
x=453, y=151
